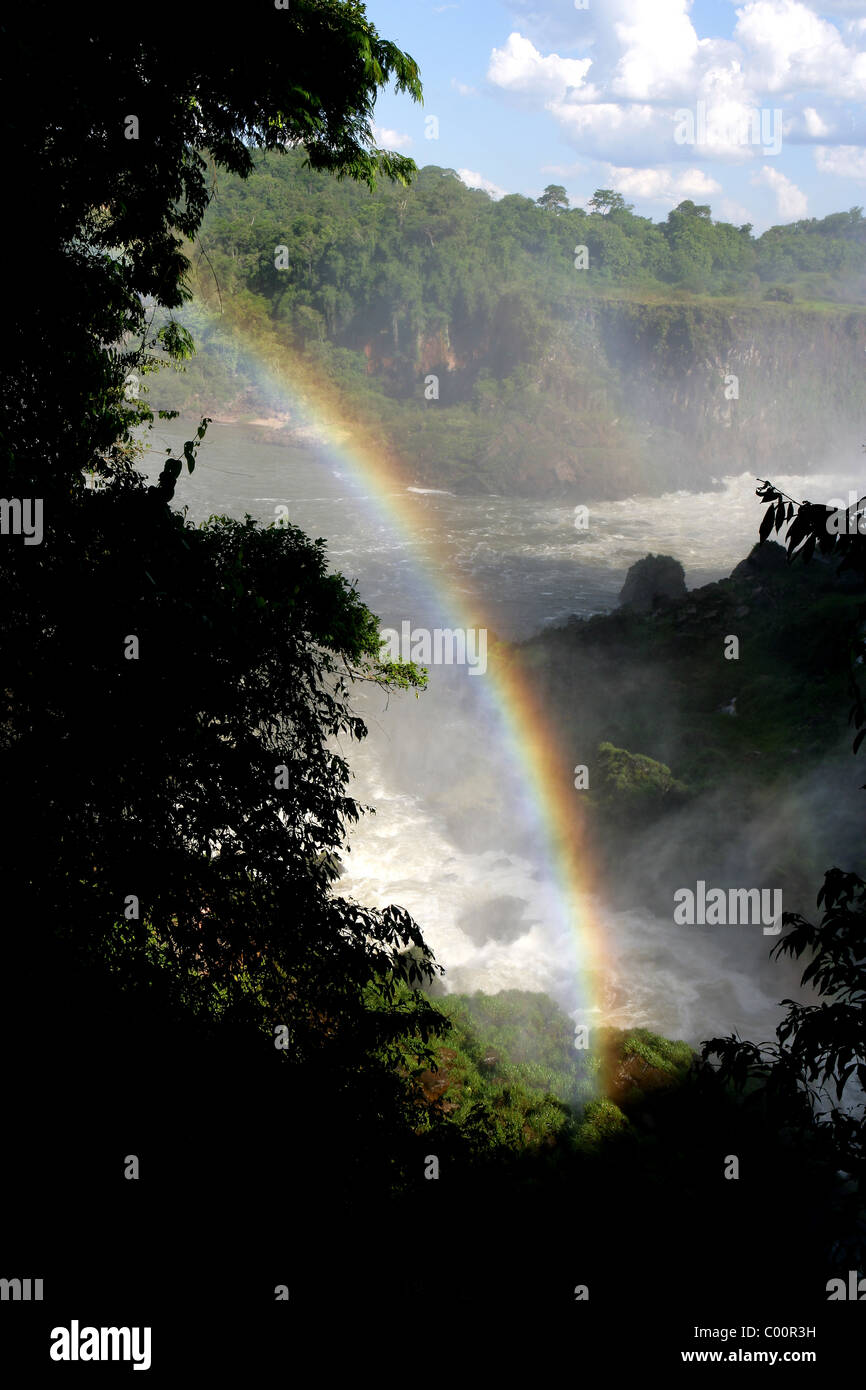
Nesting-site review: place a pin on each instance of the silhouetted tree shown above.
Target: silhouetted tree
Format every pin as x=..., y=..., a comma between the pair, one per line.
x=813, y=1079
x=174, y=699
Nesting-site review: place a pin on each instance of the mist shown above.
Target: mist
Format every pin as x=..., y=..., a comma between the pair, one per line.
x=456, y=839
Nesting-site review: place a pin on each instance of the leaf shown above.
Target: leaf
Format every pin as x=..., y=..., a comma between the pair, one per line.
x=767, y=523
x=796, y=532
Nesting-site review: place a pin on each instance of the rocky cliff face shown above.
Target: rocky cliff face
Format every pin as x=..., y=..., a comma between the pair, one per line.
x=612, y=398
x=738, y=388
x=652, y=396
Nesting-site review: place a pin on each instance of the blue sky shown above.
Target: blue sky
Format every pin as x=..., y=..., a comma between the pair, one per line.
x=755, y=108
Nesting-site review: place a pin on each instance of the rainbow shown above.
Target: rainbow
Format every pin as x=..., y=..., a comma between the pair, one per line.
x=543, y=768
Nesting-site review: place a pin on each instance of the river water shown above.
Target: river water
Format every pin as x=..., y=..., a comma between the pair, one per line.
x=456, y=838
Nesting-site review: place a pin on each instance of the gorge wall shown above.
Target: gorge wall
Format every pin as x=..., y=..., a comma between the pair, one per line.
x=620, y=397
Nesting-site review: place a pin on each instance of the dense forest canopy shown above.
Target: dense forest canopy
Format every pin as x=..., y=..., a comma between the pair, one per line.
x=411, y=259
x=519, y=346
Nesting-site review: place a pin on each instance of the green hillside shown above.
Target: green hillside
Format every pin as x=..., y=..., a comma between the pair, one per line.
x=683, y=349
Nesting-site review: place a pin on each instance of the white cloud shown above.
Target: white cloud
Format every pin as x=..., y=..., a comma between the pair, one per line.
x=661, y=48
x=463, y=89
x=789, y=47
x=792, y=69
x=605, y=129
x=791, y=202
x=813, y=122
x=475, y=180
x=389, y=139
x=520, y=68
x=663, y=60
x=845, y=161
x=734, y=124
x=661, y=185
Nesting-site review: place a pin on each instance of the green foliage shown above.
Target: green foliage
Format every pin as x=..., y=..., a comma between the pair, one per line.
x=513, y=1079
x=110, y=203
x=554, y=198
x=247, y=648
x=654, y=681
x=176, y=700
x=508, y=1079
x=837, y=535
x=605, y=200
x=602, y=1121
x=663, y=1054
x=383, y=289
x=632, y=786
x=802, y=1083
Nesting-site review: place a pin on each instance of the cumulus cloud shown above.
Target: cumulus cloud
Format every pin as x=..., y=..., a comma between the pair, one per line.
x=463, y=89
x=788, y=45
x=520, y=68
x=640, y=60
x=733, y=124
x=607, y=129
x=661, y=185
x=813, y=122
x=845, y=161
x=791, y=202
x=389, y=139
x=476, y=180
x=660, y=50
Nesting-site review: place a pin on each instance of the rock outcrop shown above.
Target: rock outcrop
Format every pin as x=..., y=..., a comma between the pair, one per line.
x=653, y=581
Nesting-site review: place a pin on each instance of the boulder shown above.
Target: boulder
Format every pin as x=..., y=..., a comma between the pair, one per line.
x=653, y=581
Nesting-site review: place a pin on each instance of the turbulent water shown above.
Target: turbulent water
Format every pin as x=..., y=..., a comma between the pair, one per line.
x=456, y=839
